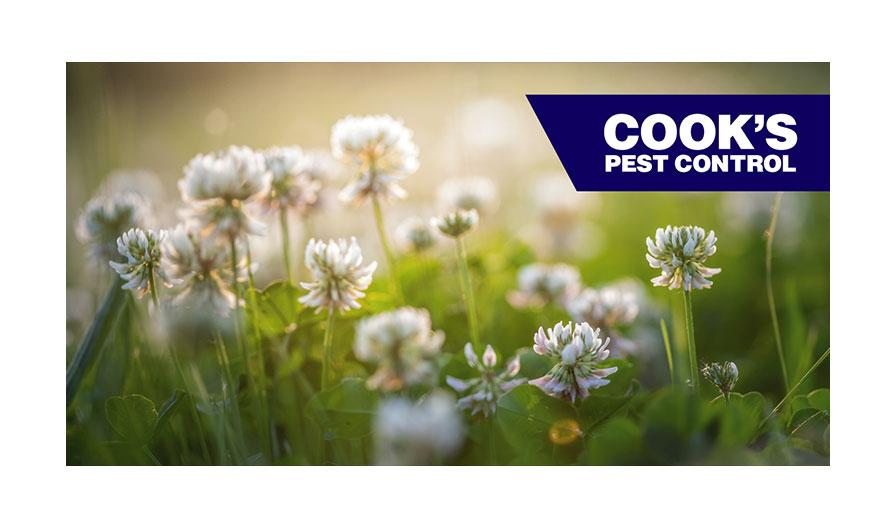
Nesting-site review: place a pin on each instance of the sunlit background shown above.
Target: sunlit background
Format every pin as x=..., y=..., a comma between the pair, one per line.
x=137, y=125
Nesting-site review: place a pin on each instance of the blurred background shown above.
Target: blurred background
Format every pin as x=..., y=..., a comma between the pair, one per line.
x=137, y=125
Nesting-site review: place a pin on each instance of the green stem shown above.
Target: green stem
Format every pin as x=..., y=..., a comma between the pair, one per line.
x=153, y=290
x=691, y=340
x=284, y=233
x=263, y=407
x=466, y=286
x=94, y=339
x=667, y=342
x=327, y=349
x=792, y=391
x=773, y=305
x=203, y=441
x=390, y=258
x=243, y=345
x=492, y=446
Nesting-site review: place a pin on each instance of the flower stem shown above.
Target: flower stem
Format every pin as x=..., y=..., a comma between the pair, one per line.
x=770, y=287
x=691, y=340
x=284, y=232
x=327, y=349
x=203, y=441
x=792, y=391
x=466, y=286
x=263, y=407
x=243, y=345
x=390, y=258
x=668, y=355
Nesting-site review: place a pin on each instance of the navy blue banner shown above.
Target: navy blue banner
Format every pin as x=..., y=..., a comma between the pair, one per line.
x=690, y=142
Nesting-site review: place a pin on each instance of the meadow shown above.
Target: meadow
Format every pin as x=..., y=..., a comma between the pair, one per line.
x=285, y=305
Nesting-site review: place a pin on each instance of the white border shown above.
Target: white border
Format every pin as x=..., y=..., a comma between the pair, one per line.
x=40, y=489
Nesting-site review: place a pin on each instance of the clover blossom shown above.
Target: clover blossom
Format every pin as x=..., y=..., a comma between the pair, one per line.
x=415, y=234
x=424, y=433
x=539, y=284
x=199, y=266
x=339, y=276
x=456, y=223
x=681, y=253
x=142, y=249
x=723, y=375
x=380, y=149
x=103, y=220
x=490, y=385
x=610, y=308
x=292, y=187
x=218, y=185
x=403, y=346
x=577, y=350
x=470, y=193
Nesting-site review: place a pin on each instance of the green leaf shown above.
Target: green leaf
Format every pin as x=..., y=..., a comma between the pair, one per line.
x=345, y=410
x=598, y=407
x=537, y=426
x=620, y=381
x=177, y=399
x=820, y=399
x=133, y=417
x=533, y=365
x=278, y=308
x=739, y=418
x=617, y=442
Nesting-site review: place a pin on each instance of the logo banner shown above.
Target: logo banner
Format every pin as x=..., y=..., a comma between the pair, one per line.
x=690, y=142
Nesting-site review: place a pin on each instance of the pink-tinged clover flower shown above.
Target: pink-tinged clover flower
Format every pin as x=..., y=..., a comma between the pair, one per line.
x=142, y=250
x=483, y=391
x=577, y=351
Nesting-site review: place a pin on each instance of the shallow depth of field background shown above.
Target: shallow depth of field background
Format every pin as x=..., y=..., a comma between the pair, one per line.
x=468, y=119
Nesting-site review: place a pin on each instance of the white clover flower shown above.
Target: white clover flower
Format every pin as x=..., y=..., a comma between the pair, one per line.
x=610, y=308
x=291, y=187
x=104, y=219
x=471, y=193
x=424, y=433
x=318, y=165
x=415, y=234
x=200, y=266
x=403, y=346
x=142, y=250
x=578, y=350
x=339, y=276
x=540, y=284
x=381, y=150
x=723, y=375
x=485, y=390
x=218, y=185
x=557, y=202
x=456, y=223
x=681, y=252
x=138, y=181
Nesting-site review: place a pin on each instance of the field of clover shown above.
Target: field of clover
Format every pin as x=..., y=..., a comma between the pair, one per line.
x=460, y=346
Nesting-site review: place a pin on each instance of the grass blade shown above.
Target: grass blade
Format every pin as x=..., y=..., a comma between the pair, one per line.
x=94, y=339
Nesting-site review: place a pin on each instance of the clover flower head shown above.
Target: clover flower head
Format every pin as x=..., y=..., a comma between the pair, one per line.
x=104, y=219
x=199, y=266
x=339, y=277
x=415, y=234
x=723, y=375
x=291, y=187
x=424, y=433
x=681, y=253
x=470, y=193
x=381, y=150
x=142, y=250
x=318, y=165
x=218, y=185
x=608, y=307
x=539, y=284
x=456, y=223
x=557, y=202
x=402, y=344
x=577, y=350
x=485, y=390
